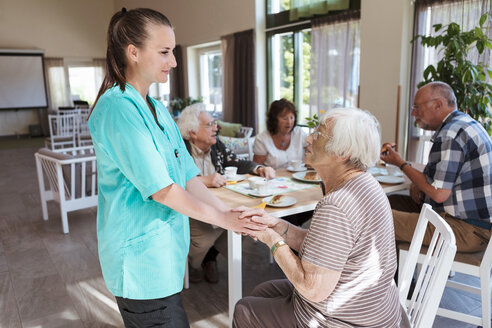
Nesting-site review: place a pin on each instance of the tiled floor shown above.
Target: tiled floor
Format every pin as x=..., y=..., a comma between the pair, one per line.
x=48, y=279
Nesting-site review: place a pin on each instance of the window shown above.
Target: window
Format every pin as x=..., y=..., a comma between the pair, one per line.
x=289, y=69
x=85, y=79
x=211, y=79
x=289, y=51
x=205, y=75
x=160, y=92
x=83, y=83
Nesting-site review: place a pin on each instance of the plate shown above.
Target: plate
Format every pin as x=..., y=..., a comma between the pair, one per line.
x=286, y=201
x=291, y=169
x=375, y=171
x=390, y=179
x=258, y=194
x=300, y=176
x=238, y=177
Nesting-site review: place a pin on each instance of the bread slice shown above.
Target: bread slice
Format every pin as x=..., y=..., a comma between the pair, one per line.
x=277, y=199
x=311, y=175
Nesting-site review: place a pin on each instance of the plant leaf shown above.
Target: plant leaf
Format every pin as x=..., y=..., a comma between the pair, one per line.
x=437, y=27
x=483, y=18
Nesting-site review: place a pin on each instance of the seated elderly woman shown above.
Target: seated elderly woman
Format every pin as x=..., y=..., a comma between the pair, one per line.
x=283, y=141
x=211, y=156
x=343, y=276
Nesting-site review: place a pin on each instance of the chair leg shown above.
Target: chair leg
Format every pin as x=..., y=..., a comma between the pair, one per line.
x=186, y=277
x=485, y=293
x=64, y=219
x=44, y=208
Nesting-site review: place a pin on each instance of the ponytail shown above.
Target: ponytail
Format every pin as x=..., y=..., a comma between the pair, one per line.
x=125, y=28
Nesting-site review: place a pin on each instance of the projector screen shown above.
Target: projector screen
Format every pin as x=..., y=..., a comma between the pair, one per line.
x=22, y=83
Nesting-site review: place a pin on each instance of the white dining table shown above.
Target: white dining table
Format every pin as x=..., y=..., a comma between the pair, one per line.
x=306, y=201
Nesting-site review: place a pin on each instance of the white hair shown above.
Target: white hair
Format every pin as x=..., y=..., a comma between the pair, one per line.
x=188, y=120
x=355, y=133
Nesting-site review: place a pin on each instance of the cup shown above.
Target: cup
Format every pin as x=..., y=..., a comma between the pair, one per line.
x=261, y=186
x=252, y=181
x=392, y=169
x=296, y=164
x=230, y=172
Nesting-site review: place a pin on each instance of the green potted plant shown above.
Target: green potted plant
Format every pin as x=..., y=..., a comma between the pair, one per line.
x=178, y=104
x=468, y=80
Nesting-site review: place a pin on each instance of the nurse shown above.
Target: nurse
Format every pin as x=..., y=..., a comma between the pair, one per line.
x=146, y=178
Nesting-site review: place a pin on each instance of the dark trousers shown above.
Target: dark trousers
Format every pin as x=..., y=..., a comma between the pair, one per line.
x=167, y=312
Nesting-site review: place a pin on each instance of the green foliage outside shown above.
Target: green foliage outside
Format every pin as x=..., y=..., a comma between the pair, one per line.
x=469, y=81
x=178, y=104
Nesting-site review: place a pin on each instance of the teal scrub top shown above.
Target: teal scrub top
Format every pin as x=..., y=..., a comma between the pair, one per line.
x=143, y=245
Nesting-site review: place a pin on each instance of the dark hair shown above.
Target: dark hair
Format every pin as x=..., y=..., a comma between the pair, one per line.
x=276, y=108
x=125, y=28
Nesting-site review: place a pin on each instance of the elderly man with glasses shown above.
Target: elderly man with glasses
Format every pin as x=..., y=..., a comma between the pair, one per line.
x=457, y=178
x=211, y=156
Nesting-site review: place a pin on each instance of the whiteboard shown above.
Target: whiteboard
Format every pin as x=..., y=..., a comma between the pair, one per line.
x=22, y=83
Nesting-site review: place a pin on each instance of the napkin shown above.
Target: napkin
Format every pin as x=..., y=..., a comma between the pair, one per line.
x=261, y=205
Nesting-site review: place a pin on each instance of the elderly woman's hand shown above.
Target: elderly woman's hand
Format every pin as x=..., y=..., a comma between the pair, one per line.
x=266, y=171
x=268, y=237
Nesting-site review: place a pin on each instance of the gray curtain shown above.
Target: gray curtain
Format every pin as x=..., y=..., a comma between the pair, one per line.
x=227, y=48
x=176, y=76
x=244, y=86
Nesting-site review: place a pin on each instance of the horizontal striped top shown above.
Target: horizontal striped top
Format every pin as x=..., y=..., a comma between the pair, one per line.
x=352, y=232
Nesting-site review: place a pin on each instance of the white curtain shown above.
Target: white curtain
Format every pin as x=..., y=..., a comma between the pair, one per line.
x=335, y=65
x=59, y=89
x=100, y=71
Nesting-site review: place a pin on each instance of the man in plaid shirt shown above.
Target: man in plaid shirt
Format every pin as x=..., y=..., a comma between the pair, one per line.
x=457, y=178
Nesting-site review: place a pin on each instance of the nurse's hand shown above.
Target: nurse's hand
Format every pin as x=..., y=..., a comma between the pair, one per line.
x=214, y=180
x=242, y=225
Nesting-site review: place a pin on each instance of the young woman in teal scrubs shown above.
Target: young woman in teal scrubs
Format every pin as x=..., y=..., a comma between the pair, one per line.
x=146, y=178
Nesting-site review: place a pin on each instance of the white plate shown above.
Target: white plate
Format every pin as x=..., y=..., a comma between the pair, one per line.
x=286, y=201
x=375, y=171
x=237, y=178
x=258, y=194
x=390, y=179
x=300, y=176
x=291, y=169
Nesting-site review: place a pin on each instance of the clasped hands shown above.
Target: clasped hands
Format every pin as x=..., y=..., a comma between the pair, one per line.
x=259, y=224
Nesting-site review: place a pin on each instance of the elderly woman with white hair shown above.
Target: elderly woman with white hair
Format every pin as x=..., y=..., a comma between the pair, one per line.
x=211, y=156
x=343, y=276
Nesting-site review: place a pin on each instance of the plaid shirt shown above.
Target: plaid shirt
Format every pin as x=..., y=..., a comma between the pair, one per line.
x=460, y=160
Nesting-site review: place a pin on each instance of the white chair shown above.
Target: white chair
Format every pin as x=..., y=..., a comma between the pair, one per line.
x=433, y=271
x=245, y=131
x=83, y=134
x=63, y=129
x=478, y=265
x=67, y=176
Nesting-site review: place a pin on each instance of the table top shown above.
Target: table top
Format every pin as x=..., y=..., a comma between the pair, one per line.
x=306, y=198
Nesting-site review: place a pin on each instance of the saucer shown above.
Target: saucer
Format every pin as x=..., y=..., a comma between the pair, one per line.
x=390, y=179
x=256, y=193
x=300, y=169
x=237, y=178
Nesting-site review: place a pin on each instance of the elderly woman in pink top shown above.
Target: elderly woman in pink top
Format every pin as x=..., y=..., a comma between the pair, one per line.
x=343, y=275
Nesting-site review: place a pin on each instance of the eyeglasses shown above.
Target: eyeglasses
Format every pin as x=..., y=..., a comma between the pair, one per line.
x=210, y=124
x=316, y=134
x=416, y=107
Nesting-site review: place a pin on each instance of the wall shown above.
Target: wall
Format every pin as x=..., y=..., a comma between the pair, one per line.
x=385, y=63
x=63, y=28
x=200, y=21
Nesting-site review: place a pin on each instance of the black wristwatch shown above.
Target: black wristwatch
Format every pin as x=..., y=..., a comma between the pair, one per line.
x=404, y=164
